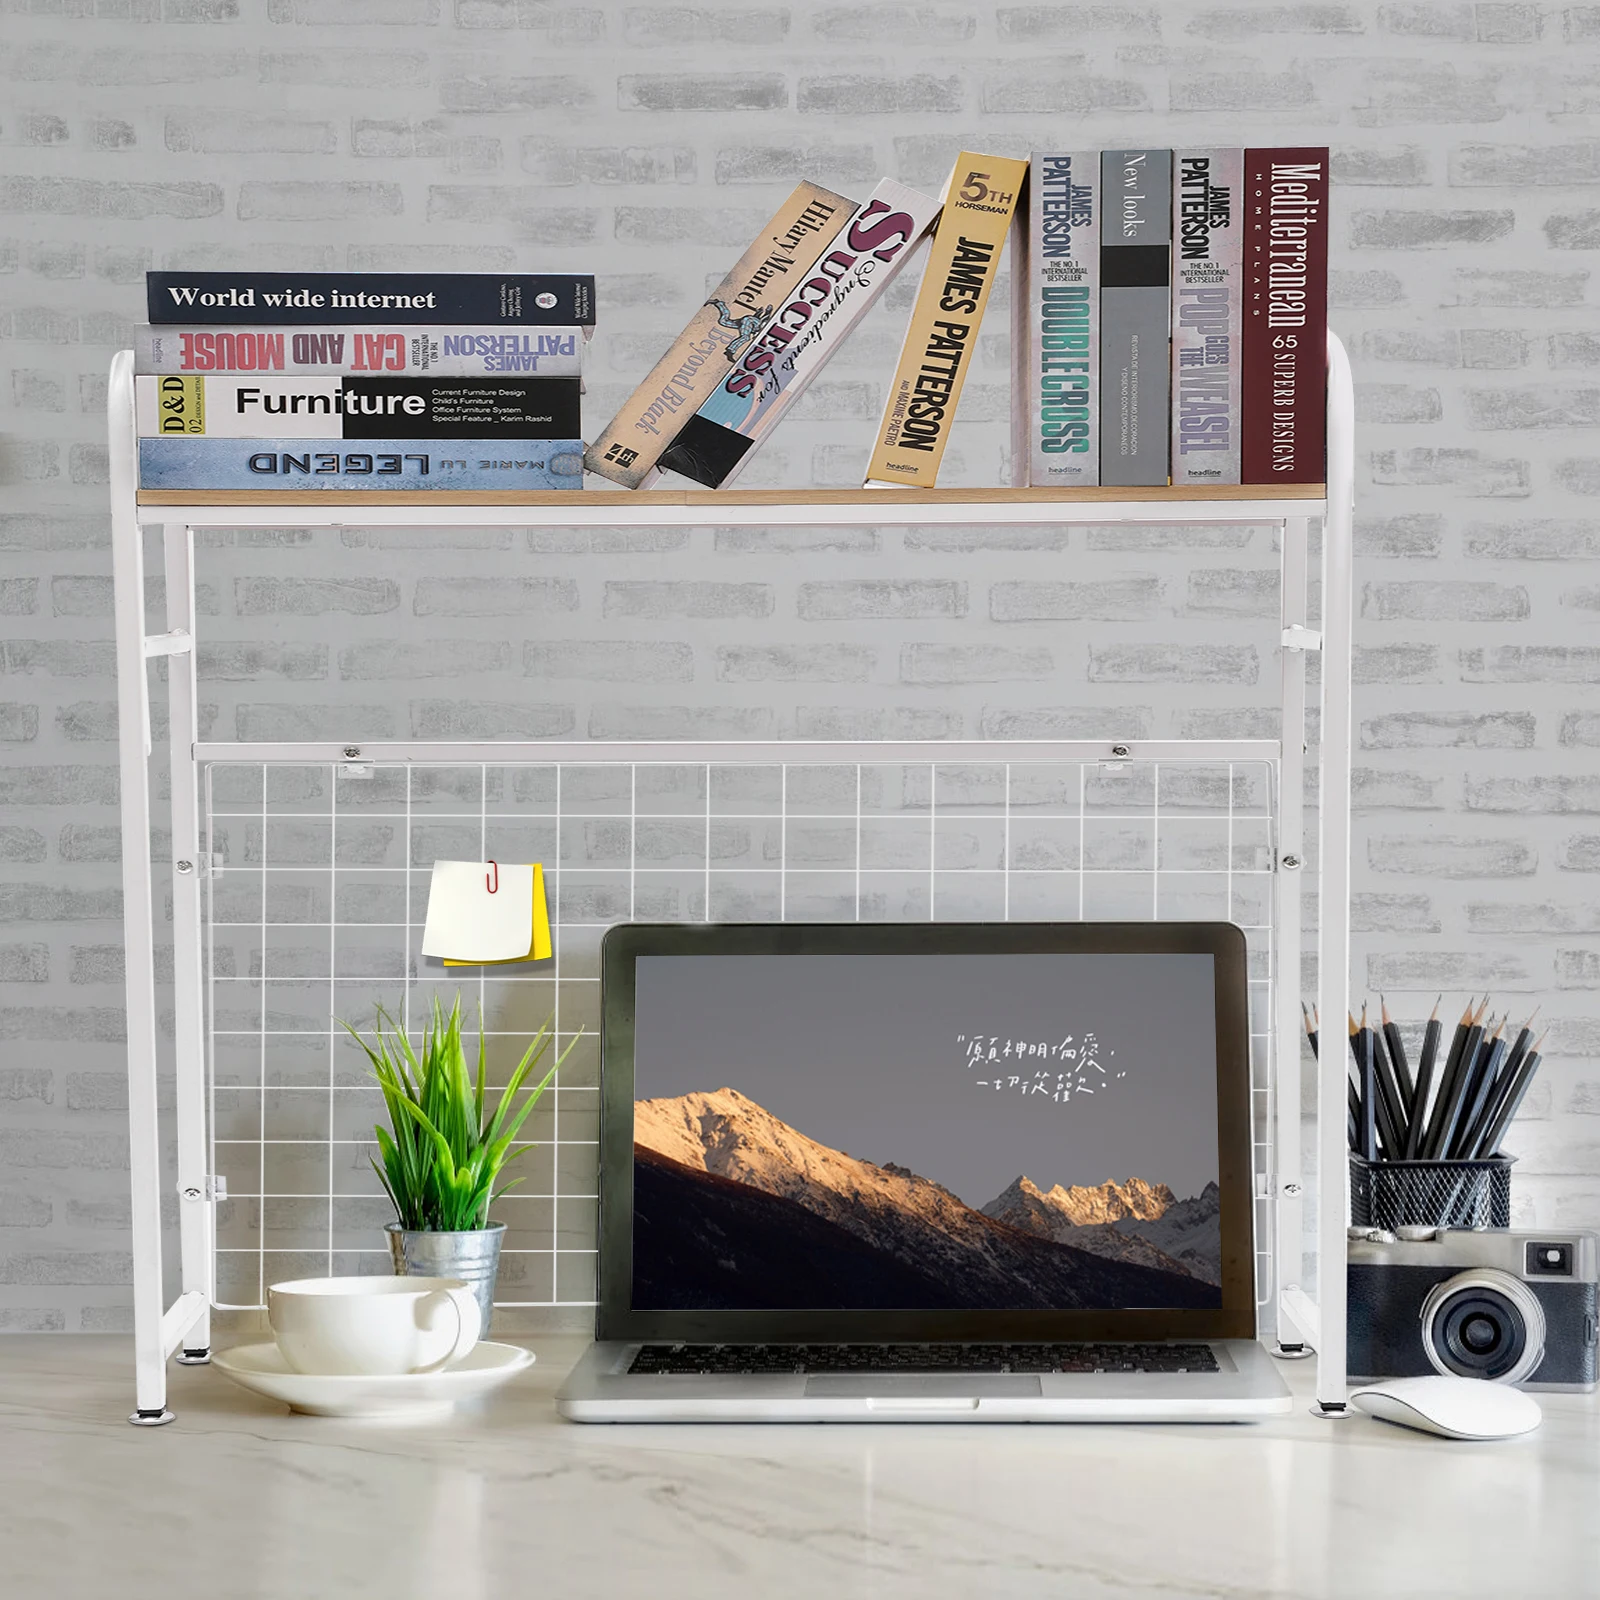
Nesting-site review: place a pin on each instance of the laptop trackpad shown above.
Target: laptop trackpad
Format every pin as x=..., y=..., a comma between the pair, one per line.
x=922, y=1386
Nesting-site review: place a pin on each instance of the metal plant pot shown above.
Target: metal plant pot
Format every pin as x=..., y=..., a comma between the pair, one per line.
x=472, y=1254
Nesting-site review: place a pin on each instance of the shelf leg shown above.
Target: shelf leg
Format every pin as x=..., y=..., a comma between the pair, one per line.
x=1289, y=875
x=133, y=722
x=1333, y=845
x=190, y=865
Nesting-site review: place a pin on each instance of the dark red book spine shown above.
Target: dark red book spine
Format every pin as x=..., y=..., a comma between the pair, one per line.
x=1285, y=367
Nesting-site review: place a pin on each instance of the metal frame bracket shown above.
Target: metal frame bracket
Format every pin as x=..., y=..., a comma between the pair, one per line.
x=178, y=642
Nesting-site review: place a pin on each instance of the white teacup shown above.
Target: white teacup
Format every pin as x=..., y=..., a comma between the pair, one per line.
x=373, y=1326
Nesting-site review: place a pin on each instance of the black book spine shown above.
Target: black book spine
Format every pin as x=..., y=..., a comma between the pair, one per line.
x=554, y=299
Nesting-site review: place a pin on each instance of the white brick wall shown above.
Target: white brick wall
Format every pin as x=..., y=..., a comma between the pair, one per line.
x=646, y=143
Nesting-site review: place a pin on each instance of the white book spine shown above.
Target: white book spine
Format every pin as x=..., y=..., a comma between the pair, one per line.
x=351, y=351
x=1064, y=296
x=1207, y=315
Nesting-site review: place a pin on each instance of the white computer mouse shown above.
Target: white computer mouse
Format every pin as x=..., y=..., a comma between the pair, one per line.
x=1455, y=1408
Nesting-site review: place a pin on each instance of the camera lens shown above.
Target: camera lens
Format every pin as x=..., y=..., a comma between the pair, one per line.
x=1481, y=1334
x=1483, y=1324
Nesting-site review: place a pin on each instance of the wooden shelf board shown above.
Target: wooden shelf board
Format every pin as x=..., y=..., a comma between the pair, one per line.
x=589, y=500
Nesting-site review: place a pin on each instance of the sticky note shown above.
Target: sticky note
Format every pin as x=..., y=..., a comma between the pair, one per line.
x=484, y=913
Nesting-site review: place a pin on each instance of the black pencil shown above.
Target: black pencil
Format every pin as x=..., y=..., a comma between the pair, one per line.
x=1520, y=1048
x=1419, y=1100
x=1351, y=1119
x=1468, y=1031
x=1502, y=1121
x=1504, y=1081
x=1480, y=1087
x=1368, y=1124
x=1397, y=1061
x=1391, y=1108
x=1369, y=1050
x=1352, y=1099
x=1453, y=1099
x=1504, y=1084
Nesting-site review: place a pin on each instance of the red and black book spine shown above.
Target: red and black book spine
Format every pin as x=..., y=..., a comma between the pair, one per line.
x=1285, y=316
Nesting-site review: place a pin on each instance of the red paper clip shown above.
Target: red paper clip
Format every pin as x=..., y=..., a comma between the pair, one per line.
x=493, y=880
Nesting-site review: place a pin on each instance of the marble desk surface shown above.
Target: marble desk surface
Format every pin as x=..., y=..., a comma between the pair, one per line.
x=239, y=1499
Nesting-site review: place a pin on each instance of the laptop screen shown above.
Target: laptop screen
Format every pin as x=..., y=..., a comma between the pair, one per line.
x=926, y=1131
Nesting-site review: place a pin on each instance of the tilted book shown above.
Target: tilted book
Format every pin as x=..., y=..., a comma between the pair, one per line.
x=720, y=438
x=963, y=260
x=456, y=464
x=1135, y=264
x=545, y=299
x=441, y=352
x=723, y=329
x=1207, y=307
x=356, y=408
x=1285, y=316
x=1064, y=314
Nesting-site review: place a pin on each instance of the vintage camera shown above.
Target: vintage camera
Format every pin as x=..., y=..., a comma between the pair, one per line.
x=1511, y=1307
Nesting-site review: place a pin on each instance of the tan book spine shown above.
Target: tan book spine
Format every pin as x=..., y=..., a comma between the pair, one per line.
x=956, y=284
x=724, y=327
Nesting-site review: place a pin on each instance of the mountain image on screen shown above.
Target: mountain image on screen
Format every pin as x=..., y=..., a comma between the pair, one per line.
x=735, y=1210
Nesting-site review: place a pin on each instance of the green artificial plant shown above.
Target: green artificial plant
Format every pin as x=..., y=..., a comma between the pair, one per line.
x=441, y=1153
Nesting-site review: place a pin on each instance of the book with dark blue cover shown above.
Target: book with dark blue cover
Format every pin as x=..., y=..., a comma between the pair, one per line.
x=544, y=299
x=453, y=464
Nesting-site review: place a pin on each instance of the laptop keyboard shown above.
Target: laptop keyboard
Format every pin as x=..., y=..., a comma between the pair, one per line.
x=755, y=1359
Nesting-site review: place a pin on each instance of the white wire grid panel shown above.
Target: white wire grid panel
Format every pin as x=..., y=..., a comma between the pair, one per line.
x=318, y=892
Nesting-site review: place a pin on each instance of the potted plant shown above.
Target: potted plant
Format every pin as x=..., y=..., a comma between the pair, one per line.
x=444, y=1150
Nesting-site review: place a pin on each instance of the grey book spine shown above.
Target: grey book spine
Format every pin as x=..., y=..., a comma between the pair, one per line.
x=1207, y=313
x=1135, y=350
x=1064, y=275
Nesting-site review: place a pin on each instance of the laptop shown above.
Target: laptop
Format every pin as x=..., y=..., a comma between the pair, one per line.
x=980, y=1172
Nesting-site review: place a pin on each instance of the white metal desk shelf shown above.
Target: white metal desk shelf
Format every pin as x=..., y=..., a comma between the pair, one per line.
x=1303, y=1314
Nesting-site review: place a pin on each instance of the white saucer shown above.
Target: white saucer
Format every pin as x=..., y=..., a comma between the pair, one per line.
x=404, y=1397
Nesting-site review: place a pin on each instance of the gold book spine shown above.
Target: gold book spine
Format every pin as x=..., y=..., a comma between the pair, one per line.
x=956, y=284
x=724, y=327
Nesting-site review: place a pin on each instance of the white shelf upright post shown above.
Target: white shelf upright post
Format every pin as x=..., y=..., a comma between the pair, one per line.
x=1333, y=866
x=1295, y=1313
x=190, y=866
x=138, y=911
x=185, y=1325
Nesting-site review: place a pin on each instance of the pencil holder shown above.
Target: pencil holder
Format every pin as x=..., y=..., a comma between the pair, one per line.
x=1431, y=1194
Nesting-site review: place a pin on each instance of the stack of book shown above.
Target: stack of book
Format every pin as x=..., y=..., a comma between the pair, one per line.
x=279, y=381
x=1178, y=308
x=1173, y=305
